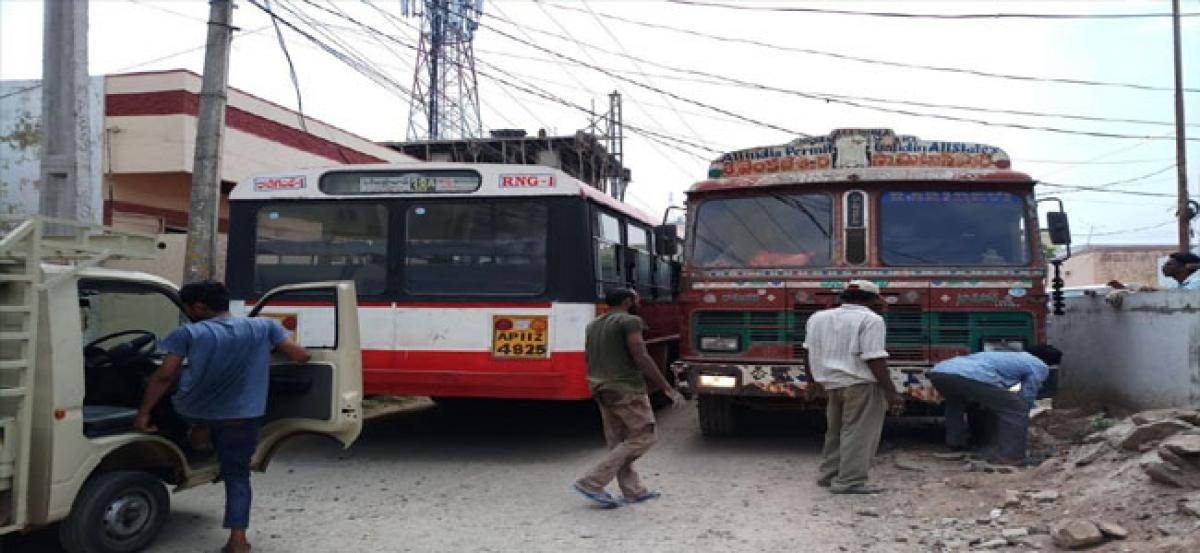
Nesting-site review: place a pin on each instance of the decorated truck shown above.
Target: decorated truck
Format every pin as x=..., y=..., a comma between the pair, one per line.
x=947, y=229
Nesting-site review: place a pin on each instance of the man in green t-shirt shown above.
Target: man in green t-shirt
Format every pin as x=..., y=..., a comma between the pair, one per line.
x=618, y=367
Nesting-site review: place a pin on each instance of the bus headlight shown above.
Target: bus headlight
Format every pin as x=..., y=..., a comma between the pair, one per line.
x=717, y=381
x=1003, y=345
x=720, y=343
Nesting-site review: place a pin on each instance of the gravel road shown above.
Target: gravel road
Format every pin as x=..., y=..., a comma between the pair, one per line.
x=496, y=478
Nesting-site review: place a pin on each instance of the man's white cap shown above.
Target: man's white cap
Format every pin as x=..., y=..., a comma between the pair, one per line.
x=864, y=285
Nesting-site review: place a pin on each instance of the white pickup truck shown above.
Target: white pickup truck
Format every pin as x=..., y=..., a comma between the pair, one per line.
x=76, y=343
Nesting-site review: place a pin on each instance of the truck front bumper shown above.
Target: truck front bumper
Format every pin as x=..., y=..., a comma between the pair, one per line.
x=778, y=380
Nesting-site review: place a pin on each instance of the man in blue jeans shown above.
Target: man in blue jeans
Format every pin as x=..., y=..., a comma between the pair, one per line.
x=987, y=379
x=222, y=389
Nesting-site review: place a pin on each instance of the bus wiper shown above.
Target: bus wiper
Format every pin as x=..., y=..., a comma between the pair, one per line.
x=796, y=204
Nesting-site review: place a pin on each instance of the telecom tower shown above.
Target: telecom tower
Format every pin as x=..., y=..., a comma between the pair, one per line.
x=445, y=95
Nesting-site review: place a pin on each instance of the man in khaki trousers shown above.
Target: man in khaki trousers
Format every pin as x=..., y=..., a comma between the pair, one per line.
x=618, y=368
x=845, y=355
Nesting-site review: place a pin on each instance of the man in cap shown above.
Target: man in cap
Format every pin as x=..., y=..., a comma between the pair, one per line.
x=846, y=356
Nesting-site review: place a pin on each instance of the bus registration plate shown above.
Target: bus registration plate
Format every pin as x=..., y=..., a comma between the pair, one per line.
x=520, y=336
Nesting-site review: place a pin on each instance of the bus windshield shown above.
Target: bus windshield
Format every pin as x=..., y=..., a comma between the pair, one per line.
x=776, y=230
x=952, y=228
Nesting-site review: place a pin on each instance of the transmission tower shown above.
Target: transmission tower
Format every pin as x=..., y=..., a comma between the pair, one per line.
x=445, y=100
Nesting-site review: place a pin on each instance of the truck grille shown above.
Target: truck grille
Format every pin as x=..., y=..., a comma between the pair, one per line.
x=909, y=330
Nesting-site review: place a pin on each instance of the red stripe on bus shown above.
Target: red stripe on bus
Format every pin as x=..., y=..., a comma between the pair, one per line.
x=474, y=374
x=422, y=305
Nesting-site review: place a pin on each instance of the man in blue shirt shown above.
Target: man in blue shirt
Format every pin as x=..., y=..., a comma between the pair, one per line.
x=222, y=389
x=987, y=379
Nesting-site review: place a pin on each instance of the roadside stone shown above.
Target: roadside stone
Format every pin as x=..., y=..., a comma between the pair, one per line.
x=1014, y=533
x=867, y=512
x=1012, y=498
x=1153, y=432
x=993, y=544
x=904, y=464
x=1167, y=473
x=1112, y=529
x=983, y=520
x=1090, y=453
x=1075, y=533
x=1186, y=415
x=949, y=521
x=1190, y=505
x=1045, y=496
x=951, y=456
x=1184, y=445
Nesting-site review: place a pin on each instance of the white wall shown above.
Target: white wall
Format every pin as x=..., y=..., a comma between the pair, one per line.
x=1145, y=354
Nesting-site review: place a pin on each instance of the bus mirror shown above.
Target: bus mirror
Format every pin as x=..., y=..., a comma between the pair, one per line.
x=666, y=240
x=1059, y=228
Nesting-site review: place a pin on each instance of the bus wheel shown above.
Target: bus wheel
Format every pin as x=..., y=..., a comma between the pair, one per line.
x=116, y=512
x=718, y=415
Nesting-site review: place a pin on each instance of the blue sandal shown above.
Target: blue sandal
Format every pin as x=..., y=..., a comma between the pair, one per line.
x=644, y=497
x=601, y=497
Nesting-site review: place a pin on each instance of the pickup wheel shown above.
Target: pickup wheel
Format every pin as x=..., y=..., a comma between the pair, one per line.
x=116, y=512
x=718, y=415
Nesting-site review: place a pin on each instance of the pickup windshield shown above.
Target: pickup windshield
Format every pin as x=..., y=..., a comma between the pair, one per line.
x=952, y=228
x=777, y=230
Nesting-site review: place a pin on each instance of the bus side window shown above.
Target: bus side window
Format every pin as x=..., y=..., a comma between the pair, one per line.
x=641, y=261
x=607, y=236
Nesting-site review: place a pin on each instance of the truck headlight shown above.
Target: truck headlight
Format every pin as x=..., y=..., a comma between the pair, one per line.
x=717, y=381
x=1003, y=345
x=720, y=343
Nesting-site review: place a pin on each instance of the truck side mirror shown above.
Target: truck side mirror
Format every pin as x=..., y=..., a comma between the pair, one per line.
x=1058, y=227
x=666, y=240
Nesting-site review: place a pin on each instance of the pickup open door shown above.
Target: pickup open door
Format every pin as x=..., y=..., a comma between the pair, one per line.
x=324, y=395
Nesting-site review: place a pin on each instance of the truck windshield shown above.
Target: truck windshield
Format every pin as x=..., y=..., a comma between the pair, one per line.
x=952, y=228
x=777, y=230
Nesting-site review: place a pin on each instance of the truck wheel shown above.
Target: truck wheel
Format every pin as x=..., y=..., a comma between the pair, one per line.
x=718, y=415
x=116, y=512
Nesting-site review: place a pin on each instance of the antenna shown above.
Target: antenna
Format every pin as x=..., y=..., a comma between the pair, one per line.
x=445, y=102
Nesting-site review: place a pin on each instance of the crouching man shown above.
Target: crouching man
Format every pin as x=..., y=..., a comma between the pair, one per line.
x=988, y=379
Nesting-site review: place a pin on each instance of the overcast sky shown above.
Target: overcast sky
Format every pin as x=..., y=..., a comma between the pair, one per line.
x=719, y=114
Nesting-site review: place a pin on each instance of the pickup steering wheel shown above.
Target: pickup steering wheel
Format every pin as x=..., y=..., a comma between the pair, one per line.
x=140, y=348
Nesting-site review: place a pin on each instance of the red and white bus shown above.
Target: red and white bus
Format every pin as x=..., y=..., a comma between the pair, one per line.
x=474, y=280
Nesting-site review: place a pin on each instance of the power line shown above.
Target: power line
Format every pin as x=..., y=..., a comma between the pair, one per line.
x=1108, y=185
x=651, y=135
x=636, y=65
x=238, y=33
x=632, y=98
x=824, y=97
x=873, y=61
x=1130, y=230
x=291, y=70
x=950, y=16
x=639, y=84
x=1097, y=162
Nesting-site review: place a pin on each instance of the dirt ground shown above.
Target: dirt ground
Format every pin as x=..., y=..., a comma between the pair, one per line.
x=496, y=478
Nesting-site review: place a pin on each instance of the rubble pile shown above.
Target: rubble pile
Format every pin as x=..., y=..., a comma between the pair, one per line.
x=1111, y=485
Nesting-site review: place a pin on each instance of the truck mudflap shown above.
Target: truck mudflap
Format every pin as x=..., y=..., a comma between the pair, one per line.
x=788, y=381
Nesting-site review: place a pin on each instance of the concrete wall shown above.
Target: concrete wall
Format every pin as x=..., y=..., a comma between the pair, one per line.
x=20, y=149
x=1145, y=354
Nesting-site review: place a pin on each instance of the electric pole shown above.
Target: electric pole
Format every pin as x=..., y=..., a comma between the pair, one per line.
x=65, y=144
x=201, y=253
x=1180, y=139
